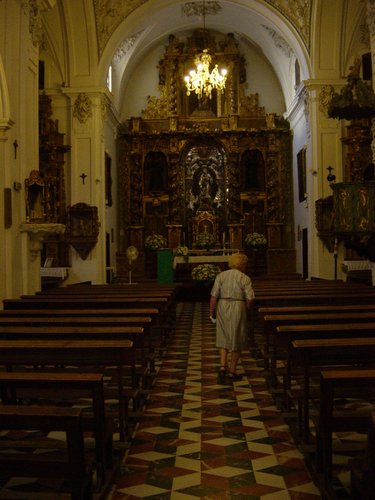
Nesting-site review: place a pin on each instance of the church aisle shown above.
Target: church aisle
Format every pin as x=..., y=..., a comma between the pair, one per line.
x=199, y=439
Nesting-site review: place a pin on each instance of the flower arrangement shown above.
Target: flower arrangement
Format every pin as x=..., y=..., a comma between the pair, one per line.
x=255, y=241
x=205, y=240
x=205, y=273
x=155, y=241
x=182, y=251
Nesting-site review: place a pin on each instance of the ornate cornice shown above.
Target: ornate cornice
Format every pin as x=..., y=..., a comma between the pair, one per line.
x=371, y=16
x=279, y=41
x=198, y=8
x=34, y=8
x=109, y=15
x=82, y=108
x=125, y=46
x=298, y=12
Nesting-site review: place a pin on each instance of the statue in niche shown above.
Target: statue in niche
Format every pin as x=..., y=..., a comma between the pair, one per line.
x=205, y=188
x=205, y=184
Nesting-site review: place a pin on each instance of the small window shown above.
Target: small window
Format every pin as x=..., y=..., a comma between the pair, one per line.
x=109, y=79
x=301, y=169
x=297, y=73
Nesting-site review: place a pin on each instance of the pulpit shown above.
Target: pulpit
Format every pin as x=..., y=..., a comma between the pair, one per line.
x=204, y=222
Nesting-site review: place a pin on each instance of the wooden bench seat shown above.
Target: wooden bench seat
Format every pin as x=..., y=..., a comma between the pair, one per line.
x=101, y=353
x=167, y=312
x=285, y=334
x=340, y=383
x=362, y=470
x=322, y=298
x=42, y=328
x=307, y=354
x=87, y=302
x=320, y=308
x=72, y=465
x=274, y=347
x=20, y=387
x=151, y=312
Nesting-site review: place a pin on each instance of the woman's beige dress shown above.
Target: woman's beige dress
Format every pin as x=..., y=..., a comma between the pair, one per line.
x=232, y=288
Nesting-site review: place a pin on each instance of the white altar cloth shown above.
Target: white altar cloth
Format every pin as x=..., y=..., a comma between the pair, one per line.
x=200, y=259
x=54, y=272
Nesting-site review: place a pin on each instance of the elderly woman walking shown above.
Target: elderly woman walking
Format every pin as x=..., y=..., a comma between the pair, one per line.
x=231, y=297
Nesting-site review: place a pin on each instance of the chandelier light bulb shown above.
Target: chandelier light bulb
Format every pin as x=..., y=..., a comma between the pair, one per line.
x=201, y=81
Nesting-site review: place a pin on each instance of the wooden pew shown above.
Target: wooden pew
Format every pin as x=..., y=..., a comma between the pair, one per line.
x=273, y=340
x=110, y=302
x=90, y=328
x=333, y=384
x=321, y=308
x=167, y=314
x=285, y=334
x=117, y=353
x=16, y=387
x=308, y=354
x=366, y=296
x=43, y=418
x=362, y=478
x=151, y=312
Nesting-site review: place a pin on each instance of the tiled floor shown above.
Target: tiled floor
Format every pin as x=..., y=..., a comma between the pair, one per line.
x=200, y=439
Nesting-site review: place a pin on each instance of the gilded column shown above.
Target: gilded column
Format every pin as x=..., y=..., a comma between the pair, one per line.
x=371, y=27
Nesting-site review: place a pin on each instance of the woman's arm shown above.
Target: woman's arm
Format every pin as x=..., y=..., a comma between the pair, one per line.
x=213, y=303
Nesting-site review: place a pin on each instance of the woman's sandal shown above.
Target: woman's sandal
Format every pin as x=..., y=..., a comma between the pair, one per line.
x=235, y=376
x=222, y=373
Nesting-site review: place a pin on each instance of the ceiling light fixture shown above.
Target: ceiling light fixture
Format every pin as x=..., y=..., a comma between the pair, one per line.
x=200, y=80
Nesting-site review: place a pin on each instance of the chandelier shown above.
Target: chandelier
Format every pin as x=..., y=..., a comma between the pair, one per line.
x=200, y=80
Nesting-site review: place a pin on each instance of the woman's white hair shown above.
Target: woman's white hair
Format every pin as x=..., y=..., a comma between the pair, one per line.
x=237, y=260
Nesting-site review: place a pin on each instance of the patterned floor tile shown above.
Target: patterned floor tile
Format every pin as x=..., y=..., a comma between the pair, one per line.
x=202, y=439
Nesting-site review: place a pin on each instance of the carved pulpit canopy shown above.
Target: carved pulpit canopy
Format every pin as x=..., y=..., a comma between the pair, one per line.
x=356, y=99
x=82, y=228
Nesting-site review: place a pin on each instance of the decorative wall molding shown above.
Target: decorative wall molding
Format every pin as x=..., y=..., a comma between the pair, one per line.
x=279, y=41
x=371, y=16
x=109, y=15
x=298, y=12
x=198, y=8
x=34, y=8
x=125, y=47
x=82, y=108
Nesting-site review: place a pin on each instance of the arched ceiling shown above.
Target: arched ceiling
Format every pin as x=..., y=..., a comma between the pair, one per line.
x=127, y=31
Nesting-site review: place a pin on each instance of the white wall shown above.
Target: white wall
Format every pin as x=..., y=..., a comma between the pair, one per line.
x=144, y=78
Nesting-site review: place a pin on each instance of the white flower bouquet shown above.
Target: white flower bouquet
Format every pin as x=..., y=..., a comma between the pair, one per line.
x=205, y=240
x=205, y=273
x=255, y=241
x=155, y=241
x=182, y=251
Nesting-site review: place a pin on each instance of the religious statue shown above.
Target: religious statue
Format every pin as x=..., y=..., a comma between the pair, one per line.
x=205, y=184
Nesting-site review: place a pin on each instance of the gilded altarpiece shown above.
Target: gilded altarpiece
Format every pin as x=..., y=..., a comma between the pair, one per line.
x=223, y=156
